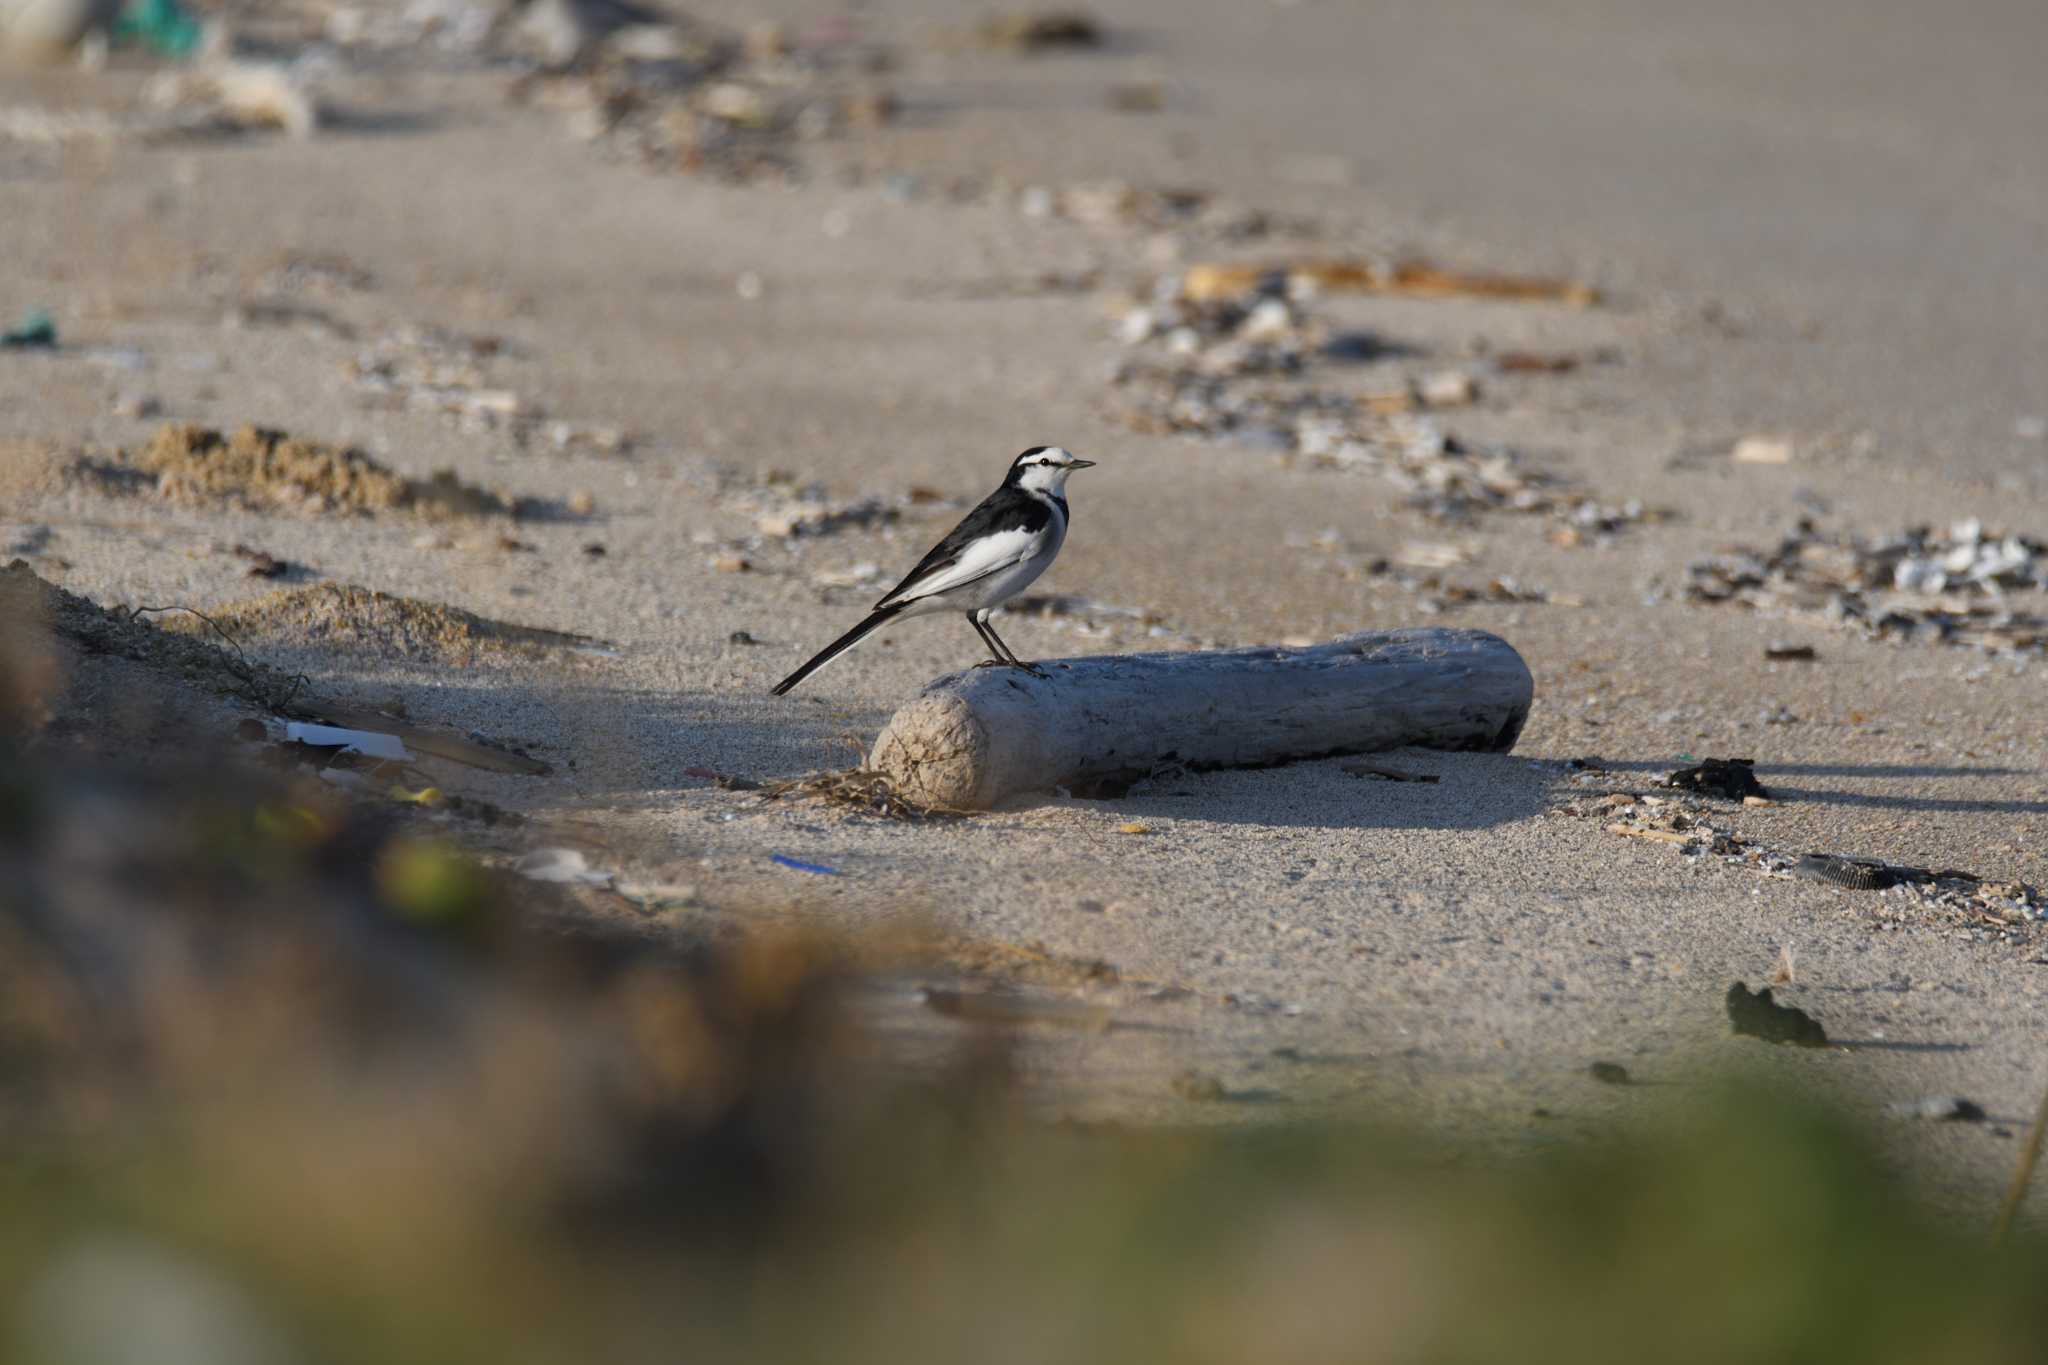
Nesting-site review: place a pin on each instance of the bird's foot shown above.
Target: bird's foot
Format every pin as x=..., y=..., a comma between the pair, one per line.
x=1033, y=669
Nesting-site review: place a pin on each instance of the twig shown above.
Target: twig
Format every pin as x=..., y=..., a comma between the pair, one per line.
x=2022, y=1174
x=246, y=672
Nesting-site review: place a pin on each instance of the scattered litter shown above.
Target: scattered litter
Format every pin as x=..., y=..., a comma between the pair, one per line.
x=472, y=752
x=262, y=564
x=1965, y=587
x=1535, y=362
x=684, y=95
x=1868, y=874
x=162, y=26
x=1009, y=1007
x=858, y=789
x=1762, y=450
x=724, y=780
x=1210, y=282
x=1042, y=30
x=819, y=868
x=237, y=95
x=1732, y=779
x=1608, y=1073
x=1791, y=653
x=1909, y=895
x=1388, y=774
x=1134, y=827
x=1758, y=1016
x=1939, y=1108
x=1243, y=364
x=37, y=330
x=566, y=866
x=365, y=742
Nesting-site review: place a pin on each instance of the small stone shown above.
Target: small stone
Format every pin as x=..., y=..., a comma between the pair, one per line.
x=740, y=637
x=1608, y=1073
x=582, y=502
x=1448, y=389
x=138, y=406
x=731, y=564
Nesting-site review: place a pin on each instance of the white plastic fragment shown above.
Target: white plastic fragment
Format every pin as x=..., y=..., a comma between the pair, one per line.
x=368, y=743
x=567, y=866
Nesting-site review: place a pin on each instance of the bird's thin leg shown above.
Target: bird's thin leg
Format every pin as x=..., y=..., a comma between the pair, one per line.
x=1009, y=655
x=994, y=647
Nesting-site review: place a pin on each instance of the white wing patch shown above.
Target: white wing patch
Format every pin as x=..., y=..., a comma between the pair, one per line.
x=988, y=555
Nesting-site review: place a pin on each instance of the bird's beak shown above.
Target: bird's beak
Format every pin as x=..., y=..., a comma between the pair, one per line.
x=1082, y=464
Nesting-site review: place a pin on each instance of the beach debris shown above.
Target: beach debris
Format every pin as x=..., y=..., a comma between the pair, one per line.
x=860, y=789
x=1870, y=874
x=685, y=95
x=1249, y=366
x=1134, y=827
x=1758, y=1016
x=162, y=26
x=1965, y=586
x=1762, y=450
x=1387, y=774
x=1790, y=653
x=474, y=751
x=817, y=869
x=1212, y=282
x=262, y=564
x=725, y=781
x=37, y=330
x=1535, y=362
x=1609, y=1073
x=1042, y=30
x=234, y=96
x=346, y=616
x=368, y=743
x=1983, y=907
x=565, y=866
x=1732, y=779
x=1939, y=1109
x=740, y=637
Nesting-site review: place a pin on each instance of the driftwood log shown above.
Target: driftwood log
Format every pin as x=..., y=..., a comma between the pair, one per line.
x=970, y=739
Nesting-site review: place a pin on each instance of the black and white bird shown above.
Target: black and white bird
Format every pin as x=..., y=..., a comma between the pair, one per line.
x=997, y=550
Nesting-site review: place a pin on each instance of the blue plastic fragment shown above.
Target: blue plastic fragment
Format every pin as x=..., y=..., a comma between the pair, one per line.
x=818, y=868
x=37, y=329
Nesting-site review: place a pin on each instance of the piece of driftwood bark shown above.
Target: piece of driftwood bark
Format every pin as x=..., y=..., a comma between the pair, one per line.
x=970, y=739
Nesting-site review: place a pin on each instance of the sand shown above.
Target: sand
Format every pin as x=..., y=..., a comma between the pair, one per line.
x=1798, y=227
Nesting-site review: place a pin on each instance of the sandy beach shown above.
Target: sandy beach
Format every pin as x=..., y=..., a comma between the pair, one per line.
x=713, y=418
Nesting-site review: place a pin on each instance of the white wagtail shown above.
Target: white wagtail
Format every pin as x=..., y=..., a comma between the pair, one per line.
x=995, y=552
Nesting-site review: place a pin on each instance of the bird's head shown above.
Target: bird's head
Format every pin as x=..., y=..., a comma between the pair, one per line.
x=1044, y=469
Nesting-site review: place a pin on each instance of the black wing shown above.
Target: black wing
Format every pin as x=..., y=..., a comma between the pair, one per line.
x=1003, y=510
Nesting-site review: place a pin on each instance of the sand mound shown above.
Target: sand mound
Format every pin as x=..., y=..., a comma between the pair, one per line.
x=33, y=611
x=346, y=617
x=270, y=470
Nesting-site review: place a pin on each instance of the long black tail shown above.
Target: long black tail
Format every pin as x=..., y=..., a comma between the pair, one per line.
x=835, y=649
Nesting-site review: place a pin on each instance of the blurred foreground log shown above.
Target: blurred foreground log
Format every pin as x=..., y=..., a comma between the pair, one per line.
x=970, y=739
